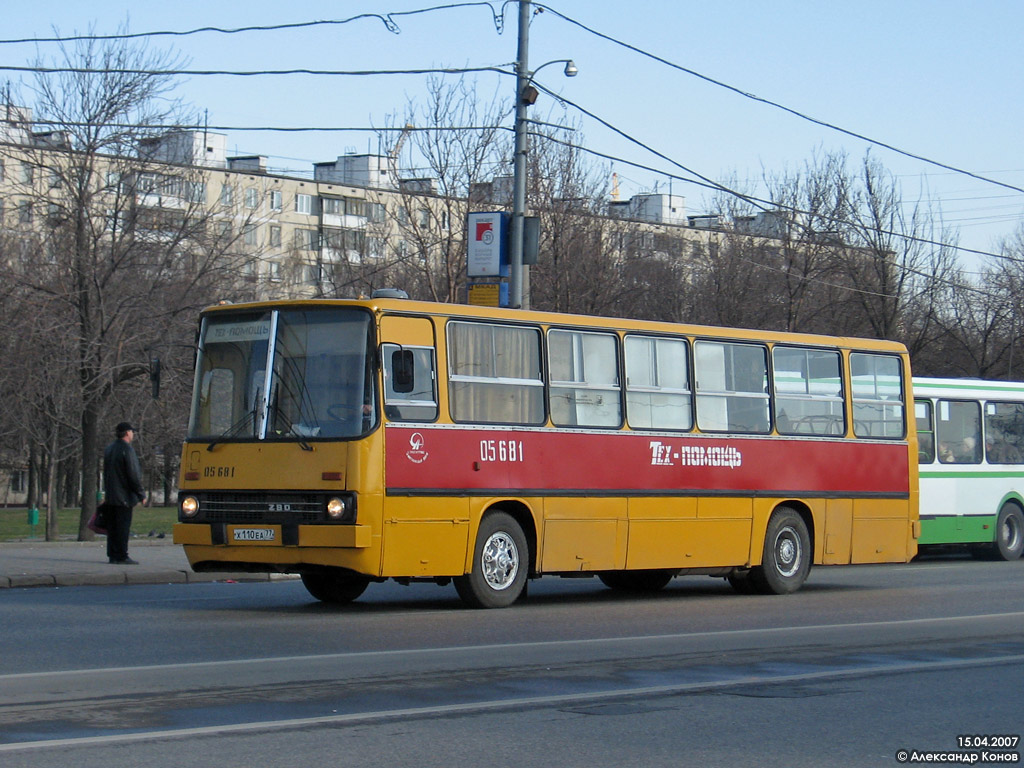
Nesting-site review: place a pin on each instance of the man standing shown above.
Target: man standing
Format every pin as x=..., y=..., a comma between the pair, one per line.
x=122, y=486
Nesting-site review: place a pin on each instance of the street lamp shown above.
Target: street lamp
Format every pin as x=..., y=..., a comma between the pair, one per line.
x=526, y=95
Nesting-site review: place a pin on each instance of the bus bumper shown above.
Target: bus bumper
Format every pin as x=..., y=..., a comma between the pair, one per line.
x=352, y=536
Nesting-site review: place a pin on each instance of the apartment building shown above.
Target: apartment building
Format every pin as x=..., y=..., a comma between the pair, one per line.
x=296, y=234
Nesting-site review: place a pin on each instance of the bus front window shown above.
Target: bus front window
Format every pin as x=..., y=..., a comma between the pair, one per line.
x=228, y=396
x=320, y=385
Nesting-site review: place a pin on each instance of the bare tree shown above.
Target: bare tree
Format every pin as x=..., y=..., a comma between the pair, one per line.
x=117, y=248
x=578, y=268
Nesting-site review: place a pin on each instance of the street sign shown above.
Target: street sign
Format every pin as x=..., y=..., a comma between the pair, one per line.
x=486, y=251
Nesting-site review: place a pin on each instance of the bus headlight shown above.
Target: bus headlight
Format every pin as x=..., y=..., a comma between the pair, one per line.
x=336, y=508
x=189, y=506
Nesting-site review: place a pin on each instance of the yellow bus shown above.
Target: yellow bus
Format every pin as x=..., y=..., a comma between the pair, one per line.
x=355, y=441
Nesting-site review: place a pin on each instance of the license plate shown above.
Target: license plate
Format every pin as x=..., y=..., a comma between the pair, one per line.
x=254, y=534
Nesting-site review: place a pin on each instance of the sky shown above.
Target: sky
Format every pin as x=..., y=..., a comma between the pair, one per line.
x=940, y=79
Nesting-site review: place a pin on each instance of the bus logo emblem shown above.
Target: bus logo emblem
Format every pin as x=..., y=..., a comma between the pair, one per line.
x=416, y=454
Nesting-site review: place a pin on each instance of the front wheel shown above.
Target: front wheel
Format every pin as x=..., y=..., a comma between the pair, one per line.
x=500, y=564
x=786, y=560
x=335, y=586
x=1009, y=533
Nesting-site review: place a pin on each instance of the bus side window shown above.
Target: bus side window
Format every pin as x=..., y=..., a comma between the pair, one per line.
x=877, y=382
x=925, y=431
x=959, y=432
x=409, y=383
x=808, y=391
x=1004, y=433
x=732, y=387
x=495, y=373
x=658, y=394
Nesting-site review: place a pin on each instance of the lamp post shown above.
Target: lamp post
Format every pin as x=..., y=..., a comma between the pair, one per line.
x=526, y=94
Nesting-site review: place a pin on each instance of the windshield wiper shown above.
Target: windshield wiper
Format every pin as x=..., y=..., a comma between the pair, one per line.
x=234, y=428
x=281, y=416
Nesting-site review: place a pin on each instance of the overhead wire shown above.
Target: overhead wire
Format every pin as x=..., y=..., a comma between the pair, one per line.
x=760, y=203
x=776, y=105
x=251, y=73
x=715, y=186
x=388, y=19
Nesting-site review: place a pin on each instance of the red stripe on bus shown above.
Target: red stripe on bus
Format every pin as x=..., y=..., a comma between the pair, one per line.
x=456, y=458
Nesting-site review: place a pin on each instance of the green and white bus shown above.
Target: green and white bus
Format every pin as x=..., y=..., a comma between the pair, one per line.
x=971, y=454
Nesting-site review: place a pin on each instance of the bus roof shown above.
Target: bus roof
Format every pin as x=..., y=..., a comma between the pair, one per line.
x=978, y=388
x=413, y=307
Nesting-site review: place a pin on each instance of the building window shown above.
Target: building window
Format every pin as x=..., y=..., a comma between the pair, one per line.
x=227, y=195
x=252, y=197
x=345, y=239
x=304, y=204
x=19, y=481
x=355, y=206
x=332, y=206
x=273, y=271
x=25, y=212
x=306, y=239
x=27, y=173
x=275, y=235
x=375, y=247
x=424, y=218
x=114, y=221
x=249, y=232
x=275, y=199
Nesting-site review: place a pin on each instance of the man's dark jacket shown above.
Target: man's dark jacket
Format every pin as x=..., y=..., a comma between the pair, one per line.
x=122, y=481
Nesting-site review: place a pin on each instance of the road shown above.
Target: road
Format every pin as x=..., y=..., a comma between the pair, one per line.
x=862, y=663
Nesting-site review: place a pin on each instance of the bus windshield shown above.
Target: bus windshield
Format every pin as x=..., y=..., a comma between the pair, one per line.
x=284, y=375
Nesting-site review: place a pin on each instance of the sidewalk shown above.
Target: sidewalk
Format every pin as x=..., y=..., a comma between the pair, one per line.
x=37, y=563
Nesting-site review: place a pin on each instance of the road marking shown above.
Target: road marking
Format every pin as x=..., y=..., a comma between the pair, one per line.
x=500, y=647
x=510, y=704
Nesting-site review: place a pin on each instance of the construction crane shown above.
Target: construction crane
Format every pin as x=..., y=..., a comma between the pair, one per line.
x=396, y=149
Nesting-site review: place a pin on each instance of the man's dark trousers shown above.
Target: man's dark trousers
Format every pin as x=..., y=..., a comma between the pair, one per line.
x=119, y=526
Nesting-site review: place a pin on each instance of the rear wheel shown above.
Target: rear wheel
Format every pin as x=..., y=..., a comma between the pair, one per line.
x=786, y=560
x=335, y=586
x=1009, y=533
x=637, y=581
x=500, y=564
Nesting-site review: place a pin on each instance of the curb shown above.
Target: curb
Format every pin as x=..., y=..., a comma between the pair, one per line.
x=114, y=578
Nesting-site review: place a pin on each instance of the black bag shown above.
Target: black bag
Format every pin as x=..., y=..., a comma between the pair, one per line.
x=99, y=522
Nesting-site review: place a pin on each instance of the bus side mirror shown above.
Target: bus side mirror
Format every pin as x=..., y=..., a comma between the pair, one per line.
x=402, y=375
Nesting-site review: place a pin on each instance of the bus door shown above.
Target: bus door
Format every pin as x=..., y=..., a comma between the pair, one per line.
x=426, y=528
